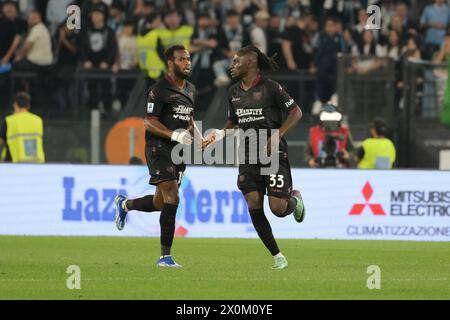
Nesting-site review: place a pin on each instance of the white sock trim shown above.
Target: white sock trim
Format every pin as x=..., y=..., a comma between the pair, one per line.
x=124, y=205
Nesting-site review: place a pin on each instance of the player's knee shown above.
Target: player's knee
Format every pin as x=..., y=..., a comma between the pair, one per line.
x=254, y=201
x=278, y=207
x=253, y=205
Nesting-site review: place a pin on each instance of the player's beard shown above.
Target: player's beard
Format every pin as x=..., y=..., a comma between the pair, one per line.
x=237, y=74
x=179, y=73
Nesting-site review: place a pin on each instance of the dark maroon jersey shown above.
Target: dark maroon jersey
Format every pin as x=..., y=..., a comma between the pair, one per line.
x=172, y=106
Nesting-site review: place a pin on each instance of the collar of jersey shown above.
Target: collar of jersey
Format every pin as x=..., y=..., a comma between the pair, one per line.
x=169, y=79
x=255, y=82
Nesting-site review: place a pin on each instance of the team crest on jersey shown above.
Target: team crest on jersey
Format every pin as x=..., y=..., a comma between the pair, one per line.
x=257, y=95
x=150, y=106
x=151, y=95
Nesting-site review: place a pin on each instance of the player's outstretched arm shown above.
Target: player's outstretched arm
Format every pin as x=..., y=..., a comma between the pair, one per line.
x=195, y=132
x=154, y=126
x=217, y=135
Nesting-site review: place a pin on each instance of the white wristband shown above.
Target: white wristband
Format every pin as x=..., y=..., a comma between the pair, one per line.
x=180, y=137
x=175, y=136
x=220, y=134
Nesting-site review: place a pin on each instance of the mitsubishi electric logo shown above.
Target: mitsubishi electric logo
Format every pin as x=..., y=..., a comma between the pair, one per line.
x=376, y=208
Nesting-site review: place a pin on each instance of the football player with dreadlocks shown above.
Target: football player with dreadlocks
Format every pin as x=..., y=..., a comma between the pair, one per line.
x=256, y=102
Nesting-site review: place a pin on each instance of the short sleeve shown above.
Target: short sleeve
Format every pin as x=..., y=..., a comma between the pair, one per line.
x=154, y=103
x=282, y=98
x=34, y=35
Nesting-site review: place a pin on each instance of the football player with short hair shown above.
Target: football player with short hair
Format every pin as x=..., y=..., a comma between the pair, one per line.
x=169, y=121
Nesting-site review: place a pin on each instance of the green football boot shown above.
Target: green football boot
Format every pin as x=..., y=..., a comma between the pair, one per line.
x=299, y=211
x=280, y=263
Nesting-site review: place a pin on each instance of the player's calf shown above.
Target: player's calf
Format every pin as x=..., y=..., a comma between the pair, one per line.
x=144, y=204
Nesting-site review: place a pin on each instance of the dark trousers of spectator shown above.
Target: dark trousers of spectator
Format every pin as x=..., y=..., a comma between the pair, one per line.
x=39, y=88
x=325, y=86
x=65, y=95
x=26, y=65
x=100, y=91
x=5, y=99
x=431, y=50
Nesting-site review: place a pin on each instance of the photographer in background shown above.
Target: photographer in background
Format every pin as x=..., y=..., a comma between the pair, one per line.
x=330, y=144
x=377, y=152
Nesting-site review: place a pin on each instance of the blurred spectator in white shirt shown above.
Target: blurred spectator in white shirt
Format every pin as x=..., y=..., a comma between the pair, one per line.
x=258, y=33
x=37, y=50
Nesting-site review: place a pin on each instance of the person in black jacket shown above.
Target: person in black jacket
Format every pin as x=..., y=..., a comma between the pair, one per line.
x=325, y=60
x=99, y=50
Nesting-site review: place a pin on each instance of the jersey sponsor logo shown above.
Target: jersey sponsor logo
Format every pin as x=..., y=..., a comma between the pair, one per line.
x=250, y=119
x=249, y=115
x=249, y=112
x=181, y=109
x=289, y=103
x=150, y=107
x=182, y=117
x=151, y=95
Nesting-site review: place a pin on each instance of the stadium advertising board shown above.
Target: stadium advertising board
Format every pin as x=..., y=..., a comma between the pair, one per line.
x=341, y=204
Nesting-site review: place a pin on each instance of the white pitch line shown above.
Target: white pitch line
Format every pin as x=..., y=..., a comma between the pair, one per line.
x=215, y=279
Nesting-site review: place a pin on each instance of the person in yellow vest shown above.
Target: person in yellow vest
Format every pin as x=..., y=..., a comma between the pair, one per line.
x=175, y=33
x=149, y=47
x=22, y=133
x=377, y=152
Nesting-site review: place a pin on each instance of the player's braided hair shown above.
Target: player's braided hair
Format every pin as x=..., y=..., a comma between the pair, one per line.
x=264, y=62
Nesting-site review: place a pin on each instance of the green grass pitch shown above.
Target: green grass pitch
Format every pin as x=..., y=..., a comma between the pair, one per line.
x=124, y=268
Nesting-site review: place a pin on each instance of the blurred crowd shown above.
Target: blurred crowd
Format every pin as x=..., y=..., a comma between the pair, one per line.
x=126, y=36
